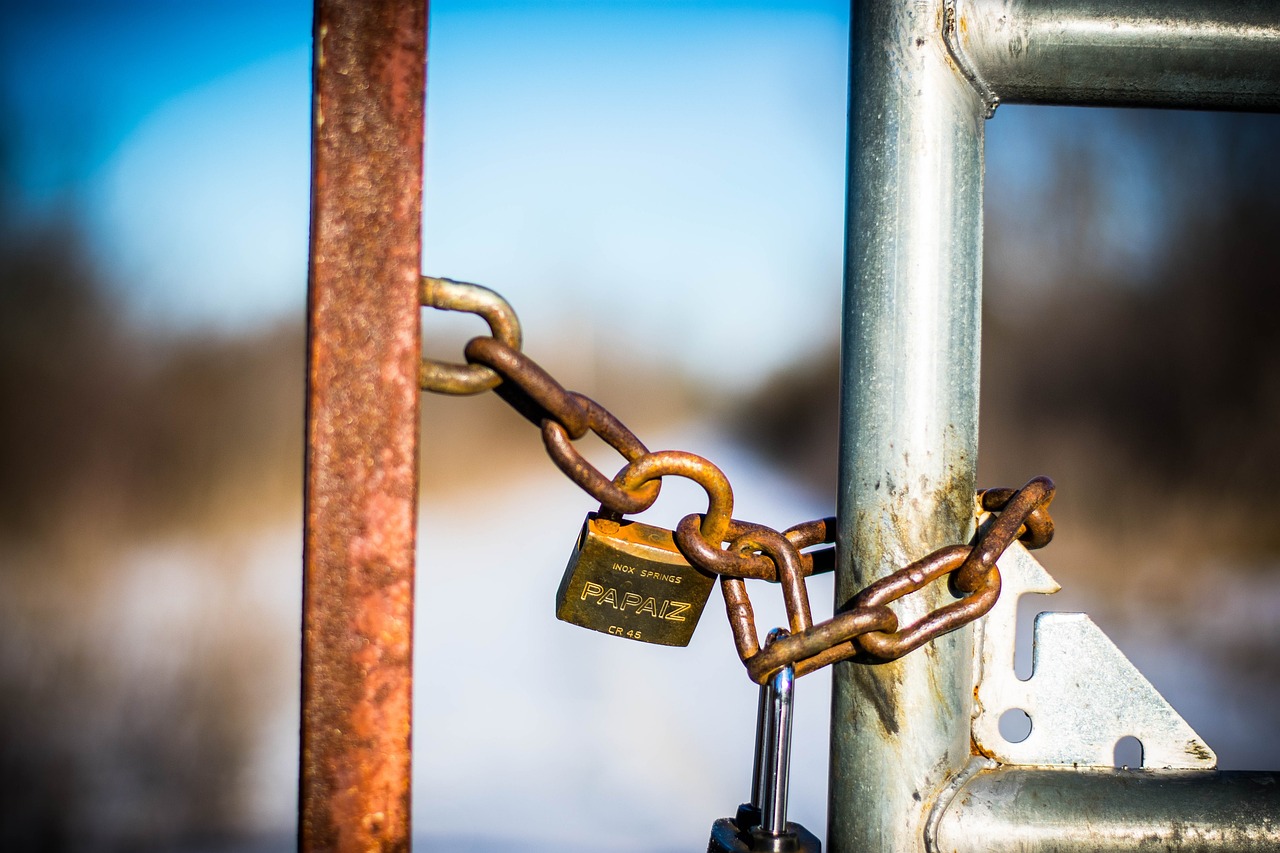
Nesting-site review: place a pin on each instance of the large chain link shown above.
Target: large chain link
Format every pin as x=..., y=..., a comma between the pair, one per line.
x=867, y=630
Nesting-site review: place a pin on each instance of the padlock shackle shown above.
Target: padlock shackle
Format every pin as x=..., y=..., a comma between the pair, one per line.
x=773, y=809
x=764, y=732
x=758, y=770
x=773, y=745
x=762, y=823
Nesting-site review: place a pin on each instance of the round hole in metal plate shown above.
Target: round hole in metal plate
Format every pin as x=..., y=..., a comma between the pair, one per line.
x=1015, y=725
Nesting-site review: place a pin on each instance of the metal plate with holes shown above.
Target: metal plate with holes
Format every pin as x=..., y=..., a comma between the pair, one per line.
x=1083, y=695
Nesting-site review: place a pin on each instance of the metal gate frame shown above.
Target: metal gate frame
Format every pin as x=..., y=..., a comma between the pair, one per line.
x=924, y=77
x=925, y=74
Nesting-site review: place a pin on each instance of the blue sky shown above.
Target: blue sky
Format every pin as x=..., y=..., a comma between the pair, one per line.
x=83, y=75
x=178, y=139
x=664, y=173
x=580, y=157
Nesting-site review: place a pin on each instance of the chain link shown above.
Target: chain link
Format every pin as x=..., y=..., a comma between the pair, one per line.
x=867, y=630
x=447, y=295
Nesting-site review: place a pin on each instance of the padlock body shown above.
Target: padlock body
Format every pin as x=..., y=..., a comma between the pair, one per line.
x=629, y=580
x=727, y=837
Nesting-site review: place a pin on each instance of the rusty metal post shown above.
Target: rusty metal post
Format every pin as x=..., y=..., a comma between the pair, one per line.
x=362, y=424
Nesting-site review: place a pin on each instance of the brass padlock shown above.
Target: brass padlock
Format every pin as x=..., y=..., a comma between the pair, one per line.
x=629, y=580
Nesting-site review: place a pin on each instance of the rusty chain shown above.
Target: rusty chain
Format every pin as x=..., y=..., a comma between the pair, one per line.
x=867, y=630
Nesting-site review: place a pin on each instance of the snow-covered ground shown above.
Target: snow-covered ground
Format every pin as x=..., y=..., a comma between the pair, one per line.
x=532, y=734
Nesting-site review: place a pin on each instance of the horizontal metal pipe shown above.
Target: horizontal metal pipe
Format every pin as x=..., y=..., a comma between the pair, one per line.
x=1022, y=809
x=1193, y=54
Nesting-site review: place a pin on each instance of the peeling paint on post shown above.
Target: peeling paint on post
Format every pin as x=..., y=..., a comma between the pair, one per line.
x=362, y=423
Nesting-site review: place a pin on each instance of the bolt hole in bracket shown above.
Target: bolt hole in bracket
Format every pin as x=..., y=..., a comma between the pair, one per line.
x=1015, y=725
x=1087, y=705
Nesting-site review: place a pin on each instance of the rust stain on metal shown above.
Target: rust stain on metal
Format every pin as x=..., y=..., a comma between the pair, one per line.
x=882, y=685
x=362, y=421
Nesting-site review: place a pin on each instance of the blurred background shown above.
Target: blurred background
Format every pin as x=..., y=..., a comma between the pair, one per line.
x=644, y=181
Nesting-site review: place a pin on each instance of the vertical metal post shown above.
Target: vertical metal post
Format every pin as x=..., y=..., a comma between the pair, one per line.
x=909, y=410
x=362, y=424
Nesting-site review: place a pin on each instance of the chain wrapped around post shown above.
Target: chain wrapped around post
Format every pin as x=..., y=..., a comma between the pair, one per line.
x=866, y=631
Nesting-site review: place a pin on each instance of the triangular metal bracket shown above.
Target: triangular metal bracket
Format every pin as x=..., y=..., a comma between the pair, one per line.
x=1083, y=695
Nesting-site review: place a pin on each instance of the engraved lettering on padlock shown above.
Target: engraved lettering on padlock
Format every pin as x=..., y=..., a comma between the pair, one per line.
x=665, y=609
x=629, y=580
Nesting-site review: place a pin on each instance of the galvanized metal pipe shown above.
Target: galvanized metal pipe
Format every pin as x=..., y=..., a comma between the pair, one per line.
x=1021, y=810
x=1196, y=54
x=909, y=410
x=922, y=75
x=362, y=424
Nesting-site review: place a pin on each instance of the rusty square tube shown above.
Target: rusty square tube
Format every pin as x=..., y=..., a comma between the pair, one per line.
x=362, y=422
